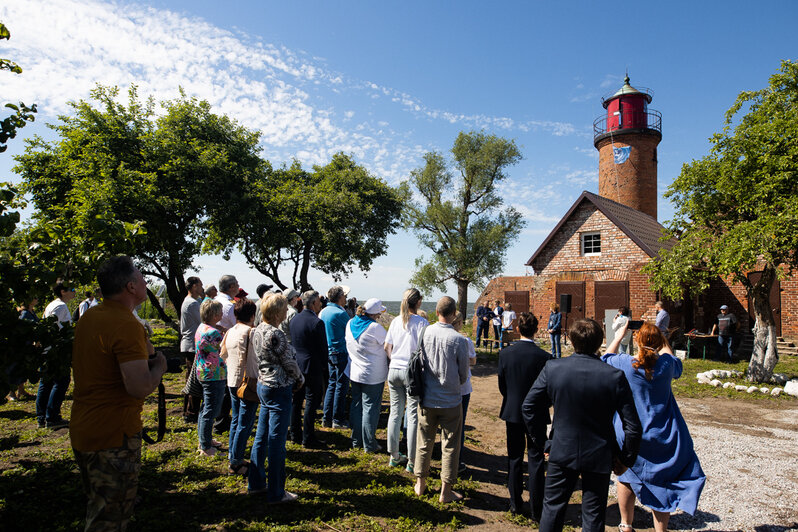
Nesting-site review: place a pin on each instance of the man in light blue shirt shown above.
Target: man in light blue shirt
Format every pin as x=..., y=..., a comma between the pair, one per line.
x=663, y=318
x=335, y=318
x=445, y=353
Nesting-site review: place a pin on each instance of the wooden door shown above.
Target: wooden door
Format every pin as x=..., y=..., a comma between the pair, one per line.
x=519, y=299
x=577, y=291
x=775, y=302
x=610, y=295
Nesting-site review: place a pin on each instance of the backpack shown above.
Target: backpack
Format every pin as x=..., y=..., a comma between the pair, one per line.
x=414, y=373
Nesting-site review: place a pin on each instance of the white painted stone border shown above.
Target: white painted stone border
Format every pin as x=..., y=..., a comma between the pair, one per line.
x=713, y=376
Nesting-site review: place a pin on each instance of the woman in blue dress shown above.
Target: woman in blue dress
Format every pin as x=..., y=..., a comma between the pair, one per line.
x=666, y=474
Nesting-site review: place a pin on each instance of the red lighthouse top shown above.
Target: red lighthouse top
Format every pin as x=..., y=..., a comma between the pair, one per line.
x=627, y=109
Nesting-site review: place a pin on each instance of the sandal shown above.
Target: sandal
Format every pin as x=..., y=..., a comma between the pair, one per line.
x=623, y=527
x=241, y=469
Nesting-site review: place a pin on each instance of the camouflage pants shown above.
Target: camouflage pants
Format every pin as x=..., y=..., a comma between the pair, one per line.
x=110, y=479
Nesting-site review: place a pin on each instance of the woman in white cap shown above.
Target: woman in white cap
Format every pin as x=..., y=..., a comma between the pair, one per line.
x=365, y=339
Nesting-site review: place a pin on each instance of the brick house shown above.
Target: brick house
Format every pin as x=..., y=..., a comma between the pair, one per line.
x=596, y=251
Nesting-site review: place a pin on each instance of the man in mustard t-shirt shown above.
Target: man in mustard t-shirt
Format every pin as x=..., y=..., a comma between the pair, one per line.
x=113, y=375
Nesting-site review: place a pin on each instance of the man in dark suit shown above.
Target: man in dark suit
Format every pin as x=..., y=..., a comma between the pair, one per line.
x=484, y=316
x=586, y=393
x=519, y=366
x=310, y=342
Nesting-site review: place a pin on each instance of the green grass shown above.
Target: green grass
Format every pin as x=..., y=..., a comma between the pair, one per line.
x=340, y=489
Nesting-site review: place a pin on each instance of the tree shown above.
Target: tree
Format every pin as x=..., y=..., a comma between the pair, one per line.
x=737, y=209
x=176, y=174
x=333, y=218
x=23, y=353
x=463, y=222
x=22, y=113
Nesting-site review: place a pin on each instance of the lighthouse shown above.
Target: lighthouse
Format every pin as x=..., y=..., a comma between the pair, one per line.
x=626, y=137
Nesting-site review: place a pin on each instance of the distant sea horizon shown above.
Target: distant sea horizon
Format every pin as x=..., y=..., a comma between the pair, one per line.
x=392, y=307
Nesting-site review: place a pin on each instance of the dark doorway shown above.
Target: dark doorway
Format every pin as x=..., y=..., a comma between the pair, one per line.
x=610, y=295
x=775, y=302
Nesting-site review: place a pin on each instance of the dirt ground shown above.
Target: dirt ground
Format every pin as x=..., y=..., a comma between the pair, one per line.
x=487, y=464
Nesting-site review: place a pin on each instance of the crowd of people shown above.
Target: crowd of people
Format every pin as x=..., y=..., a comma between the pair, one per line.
x=282, y=358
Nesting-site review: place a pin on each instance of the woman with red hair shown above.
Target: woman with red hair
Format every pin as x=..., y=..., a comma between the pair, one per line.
x=667, y=474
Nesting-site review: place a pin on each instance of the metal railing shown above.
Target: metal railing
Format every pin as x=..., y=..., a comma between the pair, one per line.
x=629, y=120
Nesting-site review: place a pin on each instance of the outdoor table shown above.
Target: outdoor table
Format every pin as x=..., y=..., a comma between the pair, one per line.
x=702, y=339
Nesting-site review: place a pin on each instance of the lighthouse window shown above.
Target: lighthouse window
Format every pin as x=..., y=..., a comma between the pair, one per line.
x=591, y=244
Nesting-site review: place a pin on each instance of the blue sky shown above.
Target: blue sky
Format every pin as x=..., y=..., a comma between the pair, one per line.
x=387, y=82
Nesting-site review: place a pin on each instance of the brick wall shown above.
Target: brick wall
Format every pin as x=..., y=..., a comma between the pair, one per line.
x=633, y=183
x=789, y=307
x=564, y=252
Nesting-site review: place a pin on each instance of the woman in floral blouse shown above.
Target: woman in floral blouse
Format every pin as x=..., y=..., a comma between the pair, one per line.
x=278, y=376
x=211, y=372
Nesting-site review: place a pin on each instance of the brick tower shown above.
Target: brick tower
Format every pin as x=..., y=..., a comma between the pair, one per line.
x=626, y=138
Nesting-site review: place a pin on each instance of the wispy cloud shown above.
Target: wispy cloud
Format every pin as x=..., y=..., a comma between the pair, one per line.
x=301, y=106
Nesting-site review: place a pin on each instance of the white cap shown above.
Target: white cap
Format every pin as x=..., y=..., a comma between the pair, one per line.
x=346, y=289
x=373, y=306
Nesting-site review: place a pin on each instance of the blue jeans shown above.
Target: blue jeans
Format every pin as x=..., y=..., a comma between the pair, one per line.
x=335, y=398
x=724, y=348
x=365, y=414
x=556, y=350
x=275, y=416
x=212, y=396
x=243, y=419
x=49, y=397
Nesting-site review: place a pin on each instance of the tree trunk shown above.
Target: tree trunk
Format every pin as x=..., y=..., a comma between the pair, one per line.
x=157, y=305
x=462, y=298
x=765, y=355
x=304, y=285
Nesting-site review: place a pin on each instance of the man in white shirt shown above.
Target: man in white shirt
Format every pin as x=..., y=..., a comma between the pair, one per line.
x=293, y=300
x=228, y=288
x=189, y=321
x=52, y=390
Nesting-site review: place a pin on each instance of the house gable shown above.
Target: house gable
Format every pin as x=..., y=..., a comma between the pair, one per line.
x=562, y=251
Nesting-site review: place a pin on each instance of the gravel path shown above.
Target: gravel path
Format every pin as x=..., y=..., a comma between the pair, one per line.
x=748, y=450
x=750, y=459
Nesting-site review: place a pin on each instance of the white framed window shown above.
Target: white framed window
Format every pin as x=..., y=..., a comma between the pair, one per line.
x=591, y=244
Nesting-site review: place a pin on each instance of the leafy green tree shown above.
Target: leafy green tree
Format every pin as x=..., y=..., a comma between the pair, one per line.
x=23, y=354
x=22, y=114
x=174, y=174
x=463, y=220
x=737, y=209
x=334, y=218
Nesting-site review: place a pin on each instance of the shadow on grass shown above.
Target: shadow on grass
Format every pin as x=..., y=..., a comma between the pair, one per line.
x=12, y=442
x=167, y=499
x=42, y=496
x=15, y=415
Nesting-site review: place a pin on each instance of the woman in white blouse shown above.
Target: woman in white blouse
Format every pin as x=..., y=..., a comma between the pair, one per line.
x=401, y=341
x=368, y=369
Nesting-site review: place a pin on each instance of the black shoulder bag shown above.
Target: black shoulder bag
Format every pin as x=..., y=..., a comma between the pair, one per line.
x=414, y=374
